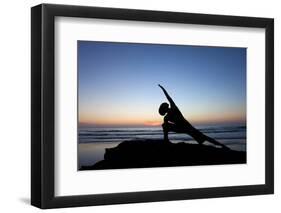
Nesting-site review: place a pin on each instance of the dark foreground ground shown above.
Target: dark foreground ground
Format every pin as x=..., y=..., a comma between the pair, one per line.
x=156, y=153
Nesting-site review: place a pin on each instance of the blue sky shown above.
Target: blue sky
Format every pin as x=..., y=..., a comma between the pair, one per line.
x=118, y=82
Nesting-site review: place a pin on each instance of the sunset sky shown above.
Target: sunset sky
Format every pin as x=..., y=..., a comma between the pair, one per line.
x=118, y=83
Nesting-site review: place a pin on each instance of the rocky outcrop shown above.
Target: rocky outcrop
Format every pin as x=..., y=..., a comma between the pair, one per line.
x=157, y=153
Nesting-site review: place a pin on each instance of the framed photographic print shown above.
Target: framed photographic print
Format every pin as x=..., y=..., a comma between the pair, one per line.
x=140, y=106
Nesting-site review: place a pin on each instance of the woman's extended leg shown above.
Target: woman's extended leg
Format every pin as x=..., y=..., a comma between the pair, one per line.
x=213, y=141
x=198, y=136
x=201, y=138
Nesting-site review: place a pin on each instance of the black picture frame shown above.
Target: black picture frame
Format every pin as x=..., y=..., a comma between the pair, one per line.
x=43, y=102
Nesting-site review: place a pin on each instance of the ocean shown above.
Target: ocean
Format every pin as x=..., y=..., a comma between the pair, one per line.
x=92, y=141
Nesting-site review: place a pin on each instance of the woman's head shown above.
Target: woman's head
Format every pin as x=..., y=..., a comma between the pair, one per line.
x=163, y=108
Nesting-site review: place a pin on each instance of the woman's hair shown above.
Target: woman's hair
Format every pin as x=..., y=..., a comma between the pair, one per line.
x=163, y=108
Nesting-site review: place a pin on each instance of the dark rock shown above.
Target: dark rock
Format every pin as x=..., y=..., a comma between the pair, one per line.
x=157, y=153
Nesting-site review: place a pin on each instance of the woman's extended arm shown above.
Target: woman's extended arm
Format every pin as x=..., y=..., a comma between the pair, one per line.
x=172, y=103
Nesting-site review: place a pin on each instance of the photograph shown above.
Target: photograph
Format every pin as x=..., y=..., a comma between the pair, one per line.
x=143, y=105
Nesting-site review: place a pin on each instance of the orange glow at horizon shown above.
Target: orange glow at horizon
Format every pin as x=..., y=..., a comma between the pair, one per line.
x=153, y=123
x=121, y=120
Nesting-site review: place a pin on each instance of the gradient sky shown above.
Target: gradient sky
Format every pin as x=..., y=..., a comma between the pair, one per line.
x=118, y=83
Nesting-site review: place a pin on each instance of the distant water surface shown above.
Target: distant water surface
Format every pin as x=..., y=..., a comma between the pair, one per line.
x=92, y=141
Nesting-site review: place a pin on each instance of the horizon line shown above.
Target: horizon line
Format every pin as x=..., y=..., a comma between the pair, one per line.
x=81, y=124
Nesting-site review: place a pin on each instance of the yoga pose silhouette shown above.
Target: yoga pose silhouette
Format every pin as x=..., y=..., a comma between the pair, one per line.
x=175, y=122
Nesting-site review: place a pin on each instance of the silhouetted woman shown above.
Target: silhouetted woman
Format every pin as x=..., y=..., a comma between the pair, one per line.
x=175, y=122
